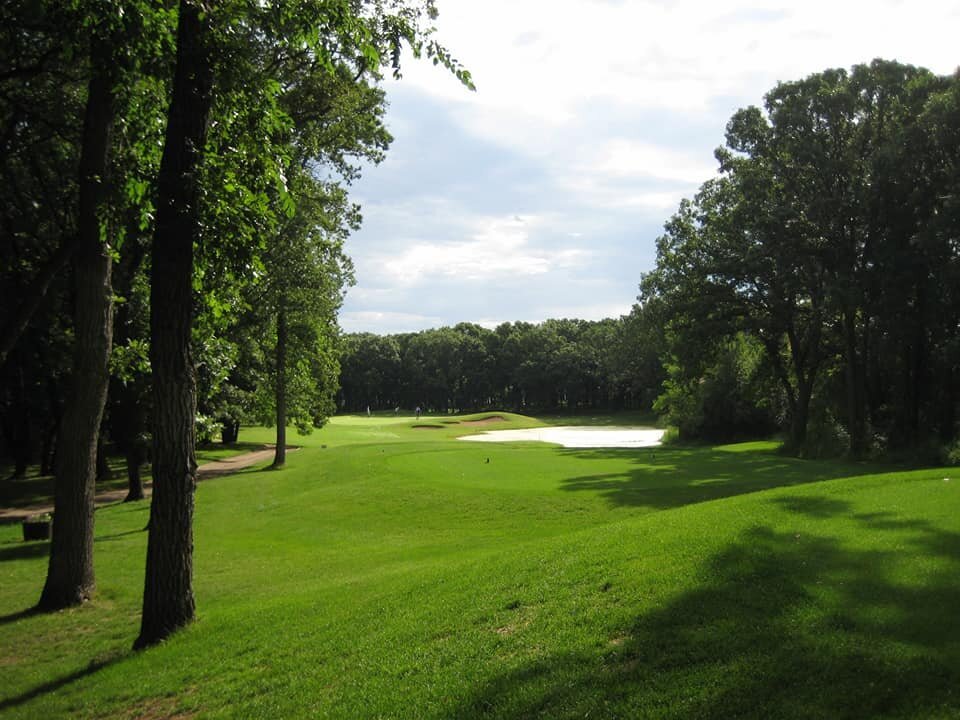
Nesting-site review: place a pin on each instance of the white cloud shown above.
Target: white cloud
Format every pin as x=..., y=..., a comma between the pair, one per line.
x=584, y=312
x=601, y=115
x=629, y=158
x=386, y=322
x=497, y=247
x=630, y=174
x=651, y=204
x=539, y=63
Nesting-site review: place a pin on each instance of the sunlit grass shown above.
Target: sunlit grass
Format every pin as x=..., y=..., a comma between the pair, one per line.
x=385, y=428
x=412, y=576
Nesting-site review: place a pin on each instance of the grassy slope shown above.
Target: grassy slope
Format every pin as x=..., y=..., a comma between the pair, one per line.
x=394, y=573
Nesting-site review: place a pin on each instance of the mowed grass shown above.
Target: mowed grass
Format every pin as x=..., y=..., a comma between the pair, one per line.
x=394, y=572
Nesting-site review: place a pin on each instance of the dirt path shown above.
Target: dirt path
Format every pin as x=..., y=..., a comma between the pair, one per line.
x=206, y=471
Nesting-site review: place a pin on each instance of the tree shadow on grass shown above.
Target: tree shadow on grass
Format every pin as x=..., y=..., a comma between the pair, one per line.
x=24, y=550
x=117, y=536
x=23, y=492
x=664, y=478
x=19, y=615
x=53, y=685
x=781, y=626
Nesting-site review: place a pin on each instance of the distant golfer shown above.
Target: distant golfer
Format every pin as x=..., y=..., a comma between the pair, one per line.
x=418, y=412
x=368, y=411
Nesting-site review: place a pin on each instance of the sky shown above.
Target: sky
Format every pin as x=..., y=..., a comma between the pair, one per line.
x=541, y=195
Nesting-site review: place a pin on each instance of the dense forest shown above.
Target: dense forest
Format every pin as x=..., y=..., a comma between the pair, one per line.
x=173, y=211
x=557, y=364
x=815, y=282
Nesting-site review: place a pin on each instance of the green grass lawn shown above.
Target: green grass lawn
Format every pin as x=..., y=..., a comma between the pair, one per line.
x=390, y=571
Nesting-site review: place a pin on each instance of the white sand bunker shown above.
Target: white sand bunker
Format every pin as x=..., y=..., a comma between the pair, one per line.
x=577, y=437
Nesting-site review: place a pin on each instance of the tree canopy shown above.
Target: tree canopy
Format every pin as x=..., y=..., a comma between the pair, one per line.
x=823, y=240
x=572, y=365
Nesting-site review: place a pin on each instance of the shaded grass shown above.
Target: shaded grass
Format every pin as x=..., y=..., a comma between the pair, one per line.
x=666, y=477
x=412, y=578
x=37, y=489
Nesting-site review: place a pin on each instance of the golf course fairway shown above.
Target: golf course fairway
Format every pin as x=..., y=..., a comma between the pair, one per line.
x=389, y=571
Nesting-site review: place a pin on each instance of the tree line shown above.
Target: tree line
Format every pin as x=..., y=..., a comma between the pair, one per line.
x=172, y=217
x=811, y=289
x=812, y=285
x=564, y=364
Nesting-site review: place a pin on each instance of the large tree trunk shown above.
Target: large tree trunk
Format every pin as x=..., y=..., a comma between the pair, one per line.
x=70, y=577
x=168, y=602
x=280, y=453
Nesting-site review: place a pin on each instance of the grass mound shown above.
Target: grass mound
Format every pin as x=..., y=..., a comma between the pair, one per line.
x=489, y=420
x=399, y=574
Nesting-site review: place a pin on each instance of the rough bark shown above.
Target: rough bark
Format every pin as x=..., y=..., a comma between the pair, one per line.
x=280, y=454
x=168, y=602
x=70, y=575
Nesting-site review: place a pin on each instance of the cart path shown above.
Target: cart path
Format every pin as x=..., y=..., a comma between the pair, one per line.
x=209, y=470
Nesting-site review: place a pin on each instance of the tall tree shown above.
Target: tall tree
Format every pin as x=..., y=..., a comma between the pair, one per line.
x=70, y=576
x=168, y=601
x=364, y=34
x=818, y=239
x=306, y=271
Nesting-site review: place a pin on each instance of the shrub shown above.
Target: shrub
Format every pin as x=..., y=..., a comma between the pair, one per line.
x=207, y=427
x=950, y=454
